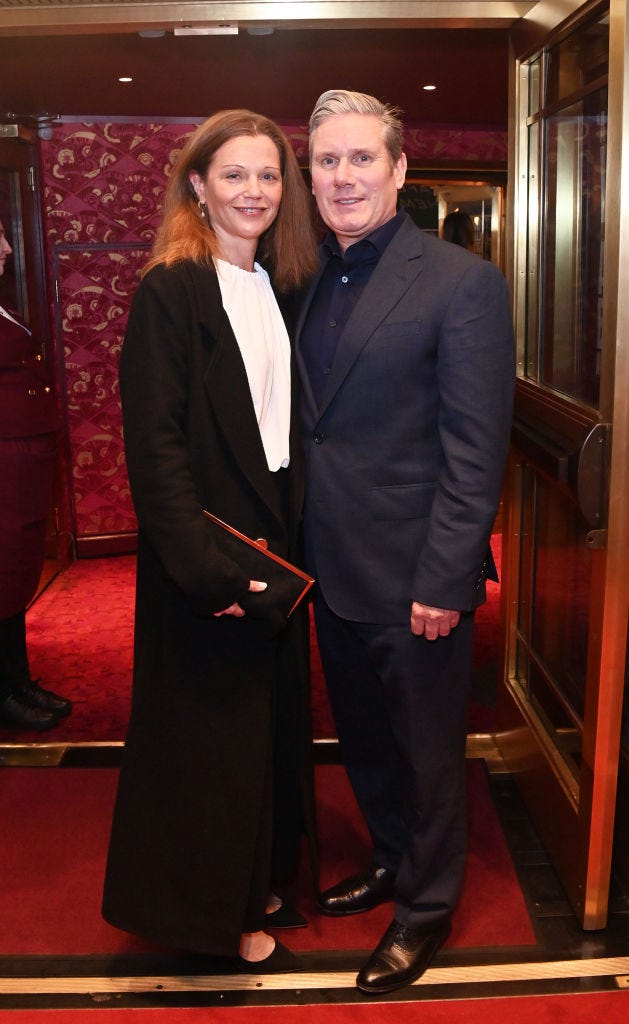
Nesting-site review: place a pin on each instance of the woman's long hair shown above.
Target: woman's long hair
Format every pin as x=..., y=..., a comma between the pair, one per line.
x=287, y=248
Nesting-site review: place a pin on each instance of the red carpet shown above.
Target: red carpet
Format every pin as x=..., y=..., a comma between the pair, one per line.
x=591, y=1008
x=80, y=641
x=54, y=839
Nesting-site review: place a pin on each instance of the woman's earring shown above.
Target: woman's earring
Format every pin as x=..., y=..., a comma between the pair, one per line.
x=203, y=208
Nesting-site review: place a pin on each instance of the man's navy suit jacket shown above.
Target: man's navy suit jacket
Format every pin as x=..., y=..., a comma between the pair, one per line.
x=406, y=453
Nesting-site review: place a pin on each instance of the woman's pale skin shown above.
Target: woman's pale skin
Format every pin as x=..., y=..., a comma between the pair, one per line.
x=242, y=190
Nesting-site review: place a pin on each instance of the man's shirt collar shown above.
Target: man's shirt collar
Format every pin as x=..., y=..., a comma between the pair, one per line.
x=377, y=240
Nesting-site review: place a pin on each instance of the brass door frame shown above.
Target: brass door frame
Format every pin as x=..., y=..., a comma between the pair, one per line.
x=575, y=815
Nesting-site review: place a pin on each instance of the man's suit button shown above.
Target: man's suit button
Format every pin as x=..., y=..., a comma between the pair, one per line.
x=319, y=438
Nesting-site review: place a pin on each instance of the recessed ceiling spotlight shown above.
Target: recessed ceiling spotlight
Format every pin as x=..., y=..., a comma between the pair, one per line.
x=429, y=88
x=125, y=78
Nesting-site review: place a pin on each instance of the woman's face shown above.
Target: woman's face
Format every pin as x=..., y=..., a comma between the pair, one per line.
x=5, y=249
x=242, y=187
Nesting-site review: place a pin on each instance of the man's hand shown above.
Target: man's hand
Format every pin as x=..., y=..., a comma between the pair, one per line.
x=432, y=622
x=255, y=587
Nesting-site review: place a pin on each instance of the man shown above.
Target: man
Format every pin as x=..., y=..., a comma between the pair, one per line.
x=405, y=350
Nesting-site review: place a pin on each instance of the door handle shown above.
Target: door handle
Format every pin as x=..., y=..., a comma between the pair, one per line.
x=593, y=476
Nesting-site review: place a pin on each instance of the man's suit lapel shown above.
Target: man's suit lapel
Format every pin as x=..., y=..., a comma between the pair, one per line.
x=307, y=397
x=396, y=271
x=227, y=387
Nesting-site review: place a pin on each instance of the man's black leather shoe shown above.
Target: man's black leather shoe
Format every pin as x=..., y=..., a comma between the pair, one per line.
x=22, y=715
x=401, y=956
x=361, y=892
x=35, y=695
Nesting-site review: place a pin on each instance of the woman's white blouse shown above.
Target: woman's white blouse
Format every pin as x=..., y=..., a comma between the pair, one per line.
x=262, y=338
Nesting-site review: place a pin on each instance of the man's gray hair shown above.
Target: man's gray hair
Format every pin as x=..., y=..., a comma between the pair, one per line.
x=344, y=101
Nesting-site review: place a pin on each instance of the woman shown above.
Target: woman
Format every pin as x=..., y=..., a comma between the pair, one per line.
x=210, y=422
x=28, y=421
x=458, y=228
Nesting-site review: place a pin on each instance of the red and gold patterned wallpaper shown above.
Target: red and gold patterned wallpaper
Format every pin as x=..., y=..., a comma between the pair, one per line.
x=103, y=190
x=104, y=184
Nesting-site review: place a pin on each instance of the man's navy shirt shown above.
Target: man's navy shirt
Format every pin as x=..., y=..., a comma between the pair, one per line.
x=342, y=282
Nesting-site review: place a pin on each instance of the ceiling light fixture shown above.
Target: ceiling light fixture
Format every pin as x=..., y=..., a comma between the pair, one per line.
x=206, y=30
x=125, y=78
x=429, y=88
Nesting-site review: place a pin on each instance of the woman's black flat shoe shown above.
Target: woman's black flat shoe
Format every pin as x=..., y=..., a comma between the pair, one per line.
x=285, y=917
x=280, y=961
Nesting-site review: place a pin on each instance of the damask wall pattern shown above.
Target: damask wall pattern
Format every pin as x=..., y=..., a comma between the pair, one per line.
x=104, y=184
x=103, y=189
x=104, y=181
x=95, y=290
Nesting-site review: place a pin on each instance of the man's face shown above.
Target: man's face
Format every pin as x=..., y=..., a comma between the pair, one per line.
x=353, y=180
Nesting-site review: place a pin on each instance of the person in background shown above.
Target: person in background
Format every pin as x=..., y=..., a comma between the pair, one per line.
x=405, y=351
x=215, y=782
x=28, y=424
x=458, y=227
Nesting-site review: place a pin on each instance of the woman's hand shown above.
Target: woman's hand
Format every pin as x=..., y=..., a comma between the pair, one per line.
x=255, y=587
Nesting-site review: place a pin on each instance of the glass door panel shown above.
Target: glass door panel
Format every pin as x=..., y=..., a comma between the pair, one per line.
x=575, y=157
x=553, y=614
x=560, y=620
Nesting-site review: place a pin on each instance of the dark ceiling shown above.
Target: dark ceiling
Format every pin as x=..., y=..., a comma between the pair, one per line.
x=280, y=74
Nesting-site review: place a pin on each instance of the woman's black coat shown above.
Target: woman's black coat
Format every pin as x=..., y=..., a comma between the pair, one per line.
x=207, y=691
